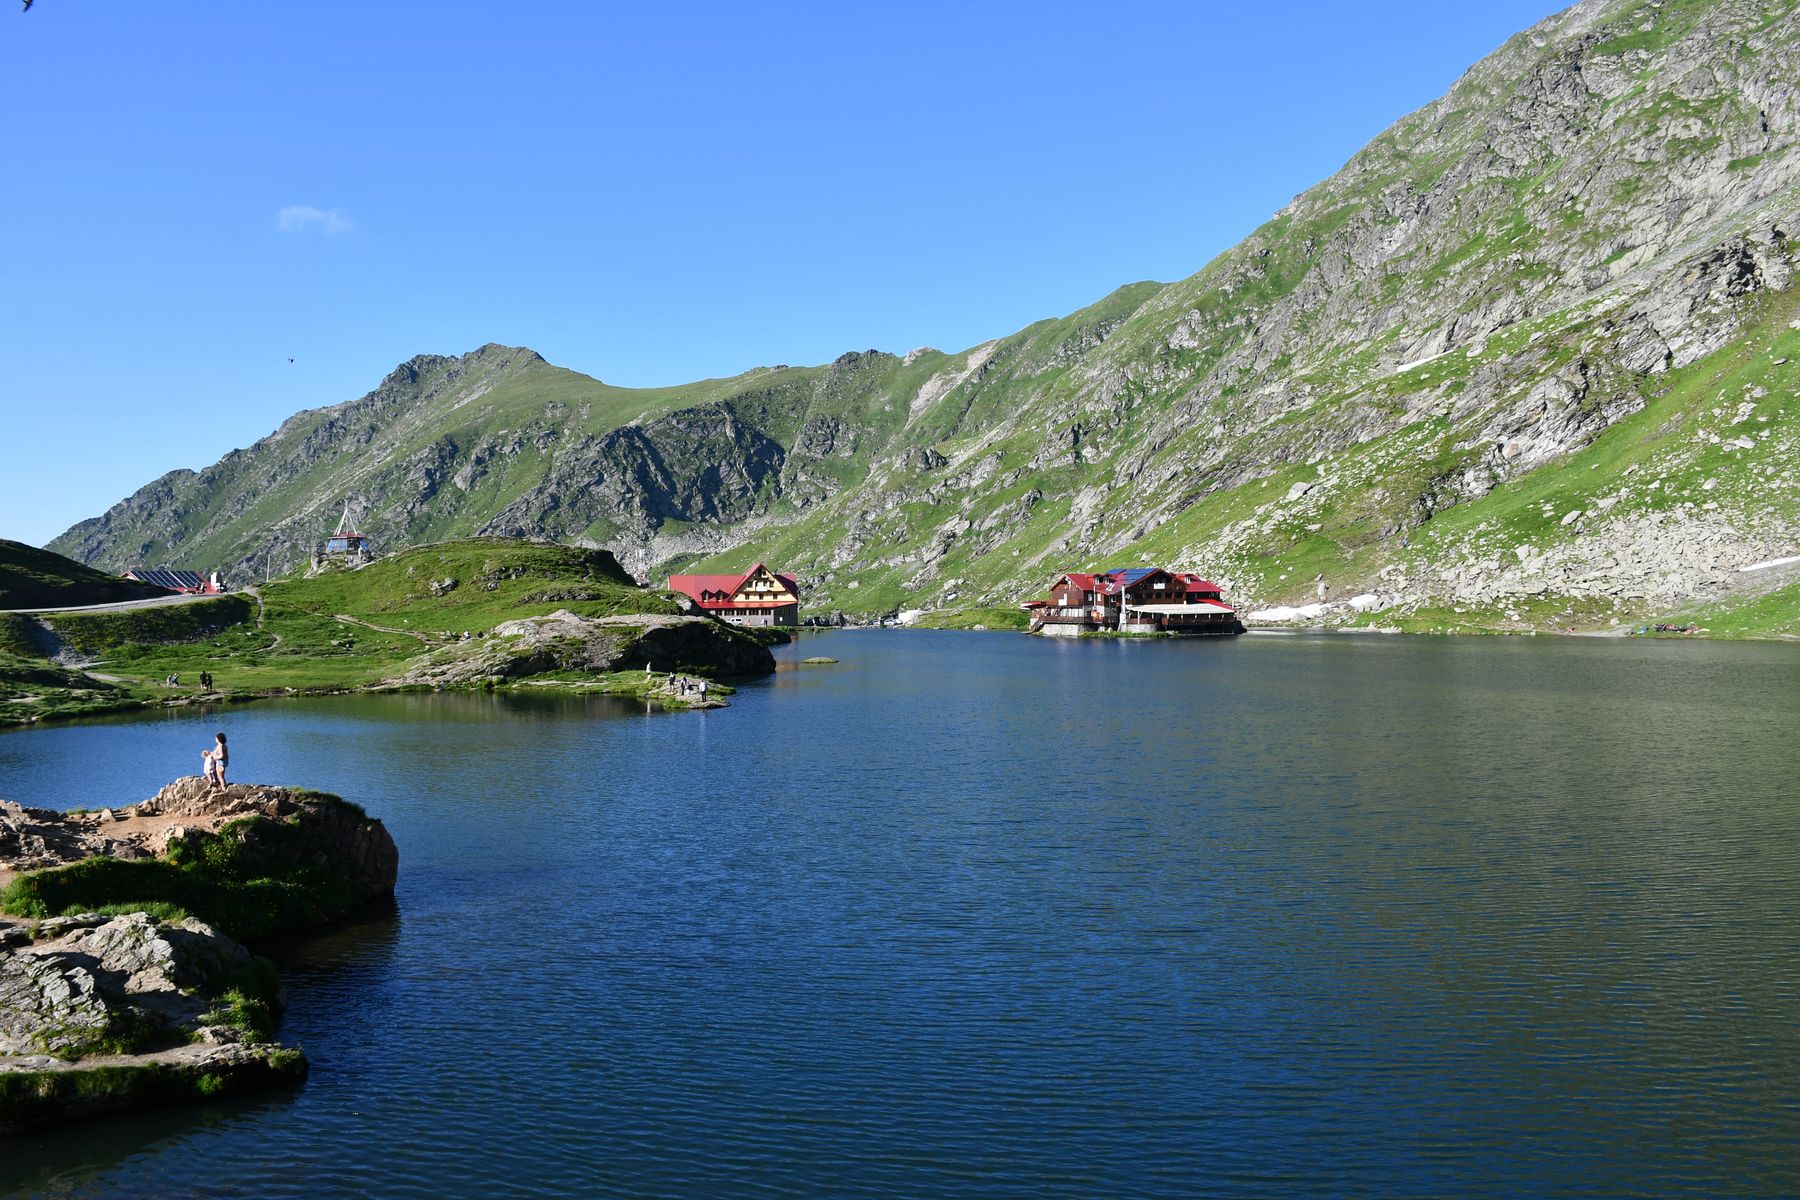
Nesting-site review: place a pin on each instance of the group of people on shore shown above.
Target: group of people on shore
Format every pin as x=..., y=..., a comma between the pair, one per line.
x=206, y=681
x=685, y=686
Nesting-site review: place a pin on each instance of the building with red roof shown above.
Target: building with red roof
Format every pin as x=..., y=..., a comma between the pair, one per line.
x=757, y=597
x=1133, y=600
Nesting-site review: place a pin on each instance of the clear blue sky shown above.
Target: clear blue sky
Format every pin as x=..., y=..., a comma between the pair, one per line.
x=198, y=191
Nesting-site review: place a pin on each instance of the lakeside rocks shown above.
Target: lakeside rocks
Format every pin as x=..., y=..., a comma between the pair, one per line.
x=565, y=642
x=101, y=1010
x=100, y=1013
x=73, y=984
x=304, y=827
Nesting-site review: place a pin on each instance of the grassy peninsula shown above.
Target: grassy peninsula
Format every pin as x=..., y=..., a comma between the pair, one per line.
x=473, y=613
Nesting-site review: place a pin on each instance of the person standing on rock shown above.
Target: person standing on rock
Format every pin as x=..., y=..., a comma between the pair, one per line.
x=214, y=760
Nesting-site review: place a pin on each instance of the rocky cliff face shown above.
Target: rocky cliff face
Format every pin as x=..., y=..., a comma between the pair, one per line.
x=1565, y=287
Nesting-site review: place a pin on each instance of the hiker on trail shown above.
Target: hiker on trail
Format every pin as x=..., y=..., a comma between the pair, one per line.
x=214, y=759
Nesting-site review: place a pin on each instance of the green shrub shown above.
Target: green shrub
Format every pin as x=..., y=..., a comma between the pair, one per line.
x=203, y=874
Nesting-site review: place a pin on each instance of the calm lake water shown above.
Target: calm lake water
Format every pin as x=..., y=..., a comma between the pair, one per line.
x=977, y=915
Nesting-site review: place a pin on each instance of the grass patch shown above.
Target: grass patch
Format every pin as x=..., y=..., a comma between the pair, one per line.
x=97, y=634
x=1774, y=614
x=997, y=617
x=338, y=631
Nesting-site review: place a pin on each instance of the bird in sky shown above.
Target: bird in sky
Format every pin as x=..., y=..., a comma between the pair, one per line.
x=290, y=360
x=27, y=7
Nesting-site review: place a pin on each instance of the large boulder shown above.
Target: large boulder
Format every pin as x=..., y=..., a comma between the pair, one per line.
x=565, y=642
x=300, y=827
x=94, y=984
x=303, y=827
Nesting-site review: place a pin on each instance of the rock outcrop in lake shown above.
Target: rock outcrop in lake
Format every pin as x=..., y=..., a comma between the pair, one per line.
x=149, y=998
x=565, y=642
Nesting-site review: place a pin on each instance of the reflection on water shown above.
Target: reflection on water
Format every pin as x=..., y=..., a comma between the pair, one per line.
x=978, y=915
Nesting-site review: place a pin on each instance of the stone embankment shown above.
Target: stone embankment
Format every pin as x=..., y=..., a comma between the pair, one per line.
x=143, y=1001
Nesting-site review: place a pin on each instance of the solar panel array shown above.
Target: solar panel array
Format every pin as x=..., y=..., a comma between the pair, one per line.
x=175, y=581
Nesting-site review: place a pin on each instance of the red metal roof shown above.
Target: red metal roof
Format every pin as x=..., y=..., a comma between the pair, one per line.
x=695, y=587
x=1109, y=583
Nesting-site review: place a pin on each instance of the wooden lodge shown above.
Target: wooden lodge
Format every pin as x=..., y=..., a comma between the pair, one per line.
x=757, y=597
x=1135, y=600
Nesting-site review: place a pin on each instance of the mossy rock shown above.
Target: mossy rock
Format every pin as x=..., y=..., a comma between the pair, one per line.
x=34, y=1097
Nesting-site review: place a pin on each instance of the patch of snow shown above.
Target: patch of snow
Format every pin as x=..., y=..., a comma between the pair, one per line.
x=1404, y=367
x=1305, y=612
x=1773, y=562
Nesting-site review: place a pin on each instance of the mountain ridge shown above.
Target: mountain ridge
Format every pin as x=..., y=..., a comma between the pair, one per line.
x=1490, y=288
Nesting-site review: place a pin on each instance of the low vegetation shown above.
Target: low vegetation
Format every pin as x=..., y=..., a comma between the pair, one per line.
x=994, y=617
x=31, y=1097
x=92, y=635
x=338, y=630
x=206, y=875
x=33, y=578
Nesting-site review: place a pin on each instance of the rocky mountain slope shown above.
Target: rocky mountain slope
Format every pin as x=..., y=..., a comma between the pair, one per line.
x=1530, y=352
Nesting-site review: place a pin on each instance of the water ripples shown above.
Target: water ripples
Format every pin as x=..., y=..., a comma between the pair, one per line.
x=983, y=916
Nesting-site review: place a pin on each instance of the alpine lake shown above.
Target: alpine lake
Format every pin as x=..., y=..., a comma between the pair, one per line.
x=982, y=915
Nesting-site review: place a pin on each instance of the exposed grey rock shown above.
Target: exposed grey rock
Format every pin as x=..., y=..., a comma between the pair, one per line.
x=564, y=641
x=71, y=987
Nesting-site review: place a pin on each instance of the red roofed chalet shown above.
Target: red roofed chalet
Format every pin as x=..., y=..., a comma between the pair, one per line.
x=757, y=597
x=1133, y=600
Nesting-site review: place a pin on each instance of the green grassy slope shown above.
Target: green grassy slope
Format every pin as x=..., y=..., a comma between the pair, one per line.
x=33, y=578
x=337, y=630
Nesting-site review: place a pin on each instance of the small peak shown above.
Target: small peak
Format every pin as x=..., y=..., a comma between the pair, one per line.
x=504, y=353
x=856, y=358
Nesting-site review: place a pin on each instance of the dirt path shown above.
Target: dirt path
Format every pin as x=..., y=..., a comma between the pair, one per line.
x=349, y=620
x=274, y=638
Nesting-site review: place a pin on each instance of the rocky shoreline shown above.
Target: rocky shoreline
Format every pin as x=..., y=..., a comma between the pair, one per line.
x=122, y=979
